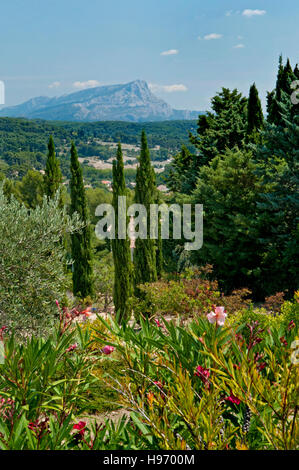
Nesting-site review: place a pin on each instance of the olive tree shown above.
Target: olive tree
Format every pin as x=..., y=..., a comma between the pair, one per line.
x=32, y=262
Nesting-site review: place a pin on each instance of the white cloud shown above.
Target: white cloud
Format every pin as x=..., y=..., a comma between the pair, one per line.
x=239, y=46
x=167, y=88
x=208, y=37
x=87, y=84
x=55, y=85
x=170, y=52
x=229, y=13
x=249, y=13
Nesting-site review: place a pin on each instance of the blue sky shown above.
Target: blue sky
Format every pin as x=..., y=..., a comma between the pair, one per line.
x=186, y=49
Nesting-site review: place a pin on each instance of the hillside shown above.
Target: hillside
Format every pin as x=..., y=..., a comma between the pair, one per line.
x=23, y=144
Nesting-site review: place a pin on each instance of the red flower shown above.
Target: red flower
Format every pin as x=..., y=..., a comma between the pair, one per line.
x=33, y=425
x=233, y=399
x=203, y=373
x=107, y=349
x=72, y=347
x=158, y=323
x=2, y=329
x=291, y=325
x=80, y=427
x=283, y=341
x=257, y=341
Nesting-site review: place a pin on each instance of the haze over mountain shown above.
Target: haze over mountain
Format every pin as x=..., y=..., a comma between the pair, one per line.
x=132, y=101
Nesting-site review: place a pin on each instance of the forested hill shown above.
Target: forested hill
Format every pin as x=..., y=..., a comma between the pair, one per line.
x=23, y=142
x=32, y=135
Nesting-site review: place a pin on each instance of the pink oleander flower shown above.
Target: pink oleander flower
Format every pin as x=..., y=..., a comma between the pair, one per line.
x=80, y=427
x=107, y=349
x=218, y=315
x=233, y=399
x=72, y=347
x=158, y=323
x=203, y=373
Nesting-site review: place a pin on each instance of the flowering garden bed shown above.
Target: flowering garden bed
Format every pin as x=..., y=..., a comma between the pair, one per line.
x=221, y=381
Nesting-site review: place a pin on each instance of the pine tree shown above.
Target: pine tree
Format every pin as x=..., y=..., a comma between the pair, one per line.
x=222, y=129
x=255, y=115
x=53, y=176
x=277, y=215
x=121, y=247
x=81, y=241
x=145, y=193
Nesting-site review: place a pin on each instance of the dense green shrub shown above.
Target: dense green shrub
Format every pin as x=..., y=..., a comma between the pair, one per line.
x=187, y=295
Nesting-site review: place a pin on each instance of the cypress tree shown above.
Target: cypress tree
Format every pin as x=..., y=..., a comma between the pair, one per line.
x=121, y=247
x=285, y=76
x=81, y=241
x=275, y=96
x=270, y=101
x=159, y=248
x=255, y=116
x=53, y=176
x=145, y=193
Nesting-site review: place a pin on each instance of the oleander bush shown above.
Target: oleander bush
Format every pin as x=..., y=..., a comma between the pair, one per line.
x=209, y=385
x=44, y=389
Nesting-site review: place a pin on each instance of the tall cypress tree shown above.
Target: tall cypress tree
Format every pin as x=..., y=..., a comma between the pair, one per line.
x=53, y=176
x=285, y=76
x=255, y=116
x=81, y=241
x=159, y=245
x=145, y=193
x=123, y=288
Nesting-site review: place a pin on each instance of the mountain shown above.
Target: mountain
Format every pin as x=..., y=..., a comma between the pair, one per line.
x=133, y=102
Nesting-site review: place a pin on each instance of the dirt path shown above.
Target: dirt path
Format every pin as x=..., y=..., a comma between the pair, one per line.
x=115, y=416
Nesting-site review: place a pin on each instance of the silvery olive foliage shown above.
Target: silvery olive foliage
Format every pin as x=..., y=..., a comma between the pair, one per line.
x=32, y=262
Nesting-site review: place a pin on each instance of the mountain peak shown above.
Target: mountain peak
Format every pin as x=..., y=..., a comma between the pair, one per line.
x=131, y=101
